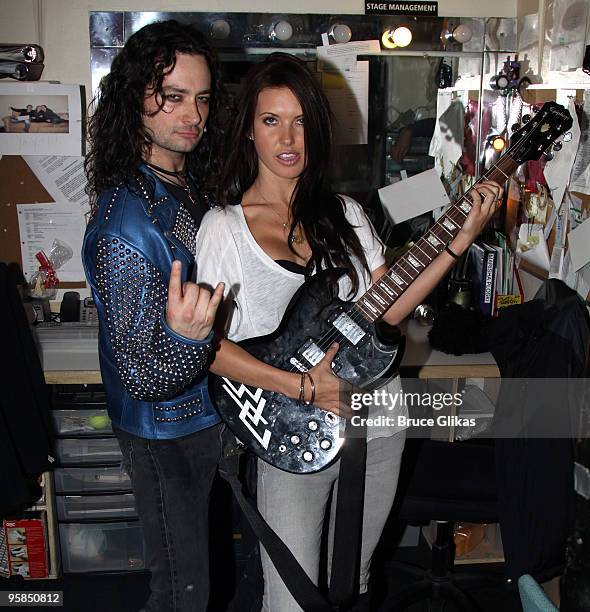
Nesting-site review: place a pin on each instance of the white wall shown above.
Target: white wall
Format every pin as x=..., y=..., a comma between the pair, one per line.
x=63, y=26
x=526, y=7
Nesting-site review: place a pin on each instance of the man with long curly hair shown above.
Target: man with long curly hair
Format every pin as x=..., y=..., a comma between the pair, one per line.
x=152, y=159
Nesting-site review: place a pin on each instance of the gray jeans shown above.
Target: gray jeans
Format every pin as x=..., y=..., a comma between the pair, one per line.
x=295, y=506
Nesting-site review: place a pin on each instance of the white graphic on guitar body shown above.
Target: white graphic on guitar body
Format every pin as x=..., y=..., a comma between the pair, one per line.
x=250, y=413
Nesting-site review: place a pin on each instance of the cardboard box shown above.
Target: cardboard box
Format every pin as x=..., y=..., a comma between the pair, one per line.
x=4, y=569
x=26, y=547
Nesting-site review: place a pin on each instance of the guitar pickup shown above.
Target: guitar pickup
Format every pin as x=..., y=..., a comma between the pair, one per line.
x=353, y=332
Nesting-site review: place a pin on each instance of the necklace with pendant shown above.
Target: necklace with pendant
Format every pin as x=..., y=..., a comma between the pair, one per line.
x=179, y=175
x=297, y=236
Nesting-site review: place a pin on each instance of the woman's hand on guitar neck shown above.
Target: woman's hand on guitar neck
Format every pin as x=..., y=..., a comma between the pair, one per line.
x=486, y=197
x=331, y=393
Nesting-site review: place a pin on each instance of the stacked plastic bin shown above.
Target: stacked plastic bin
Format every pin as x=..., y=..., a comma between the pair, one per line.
x=98, y=526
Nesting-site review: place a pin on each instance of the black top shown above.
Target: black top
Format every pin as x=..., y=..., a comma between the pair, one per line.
x=291, y=266
x=196, y=209
x=21, y=111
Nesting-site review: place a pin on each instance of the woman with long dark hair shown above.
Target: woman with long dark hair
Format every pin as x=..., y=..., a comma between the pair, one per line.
x=278, y=222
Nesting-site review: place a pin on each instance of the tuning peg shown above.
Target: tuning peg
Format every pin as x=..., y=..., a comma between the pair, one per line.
x=515, y=127
x=567, y=136
x=557, y=146
x=548, y=156
x=526, y=118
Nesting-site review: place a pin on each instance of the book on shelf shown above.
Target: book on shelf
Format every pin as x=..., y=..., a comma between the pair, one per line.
x=484, y=264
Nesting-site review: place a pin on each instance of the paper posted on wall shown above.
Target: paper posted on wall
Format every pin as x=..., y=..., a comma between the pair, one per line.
x=577, y=280
x=447, y=141
x=411, y=197
x=580, y=179
x=532, y=246
x=40, y=224
x=62, y=176
x=348, y=95
x=579, y=243
x=556, y=267
x=343, y=57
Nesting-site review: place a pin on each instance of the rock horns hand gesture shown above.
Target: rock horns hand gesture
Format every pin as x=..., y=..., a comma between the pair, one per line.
x=191, y=309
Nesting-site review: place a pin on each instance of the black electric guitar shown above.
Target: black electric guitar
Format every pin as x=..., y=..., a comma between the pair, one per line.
x=302, y=439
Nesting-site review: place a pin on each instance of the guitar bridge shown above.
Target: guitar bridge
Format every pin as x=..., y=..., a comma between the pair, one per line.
x=297, y=364
x=312, y=353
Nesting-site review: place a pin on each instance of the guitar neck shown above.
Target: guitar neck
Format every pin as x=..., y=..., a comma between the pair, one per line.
x=382, y=294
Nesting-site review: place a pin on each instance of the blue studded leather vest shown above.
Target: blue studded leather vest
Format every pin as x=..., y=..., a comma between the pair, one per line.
x=155, y=380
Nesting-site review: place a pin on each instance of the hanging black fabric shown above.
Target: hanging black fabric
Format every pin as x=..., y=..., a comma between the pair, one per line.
x=546, y=338
x=25, y=446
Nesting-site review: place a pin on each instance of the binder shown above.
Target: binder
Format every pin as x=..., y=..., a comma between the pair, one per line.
x=484, y=262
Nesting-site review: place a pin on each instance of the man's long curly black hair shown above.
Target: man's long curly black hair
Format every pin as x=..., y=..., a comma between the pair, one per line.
x=116, y=132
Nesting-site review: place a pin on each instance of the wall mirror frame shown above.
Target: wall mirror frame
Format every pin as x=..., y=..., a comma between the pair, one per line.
x=404, y=88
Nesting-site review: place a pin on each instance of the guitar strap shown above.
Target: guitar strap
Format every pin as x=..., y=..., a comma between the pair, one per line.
x=347, y=529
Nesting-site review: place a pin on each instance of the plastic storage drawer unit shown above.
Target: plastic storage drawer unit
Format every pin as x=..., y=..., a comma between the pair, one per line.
x=93, y=422
x=91, y=480
x=101, y=547
x=88, y=450
x=93, y=507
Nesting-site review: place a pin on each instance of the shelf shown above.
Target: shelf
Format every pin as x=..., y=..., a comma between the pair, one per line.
x=485, y=552
x=488, y=551
x=72, y=377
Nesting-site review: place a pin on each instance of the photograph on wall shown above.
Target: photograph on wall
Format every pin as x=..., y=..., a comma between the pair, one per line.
x=40, y=119
x=34, y=114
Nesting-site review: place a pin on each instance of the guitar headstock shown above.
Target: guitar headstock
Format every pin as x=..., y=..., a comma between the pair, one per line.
x=533, y=139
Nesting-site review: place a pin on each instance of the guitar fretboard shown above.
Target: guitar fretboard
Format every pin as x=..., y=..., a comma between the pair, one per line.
x=409, y=266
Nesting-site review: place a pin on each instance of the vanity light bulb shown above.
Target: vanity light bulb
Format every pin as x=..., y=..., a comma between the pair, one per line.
x=282, y=30
x=341, y=33
x=220, y=29
x=402, y=37
x=387, y=39
x=499, y=143
x=462, y=34
x=501, y=81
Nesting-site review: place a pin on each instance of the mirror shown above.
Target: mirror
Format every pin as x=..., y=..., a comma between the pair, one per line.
x=431, y=87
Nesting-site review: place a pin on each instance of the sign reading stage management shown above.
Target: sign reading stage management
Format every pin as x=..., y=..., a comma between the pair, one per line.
x=404, y=7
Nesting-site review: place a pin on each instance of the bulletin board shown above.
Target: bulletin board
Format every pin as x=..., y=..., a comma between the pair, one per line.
x=19, y=185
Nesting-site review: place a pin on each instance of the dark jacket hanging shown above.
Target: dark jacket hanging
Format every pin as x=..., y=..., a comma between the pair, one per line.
x=544, y=341
x=25, y=438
